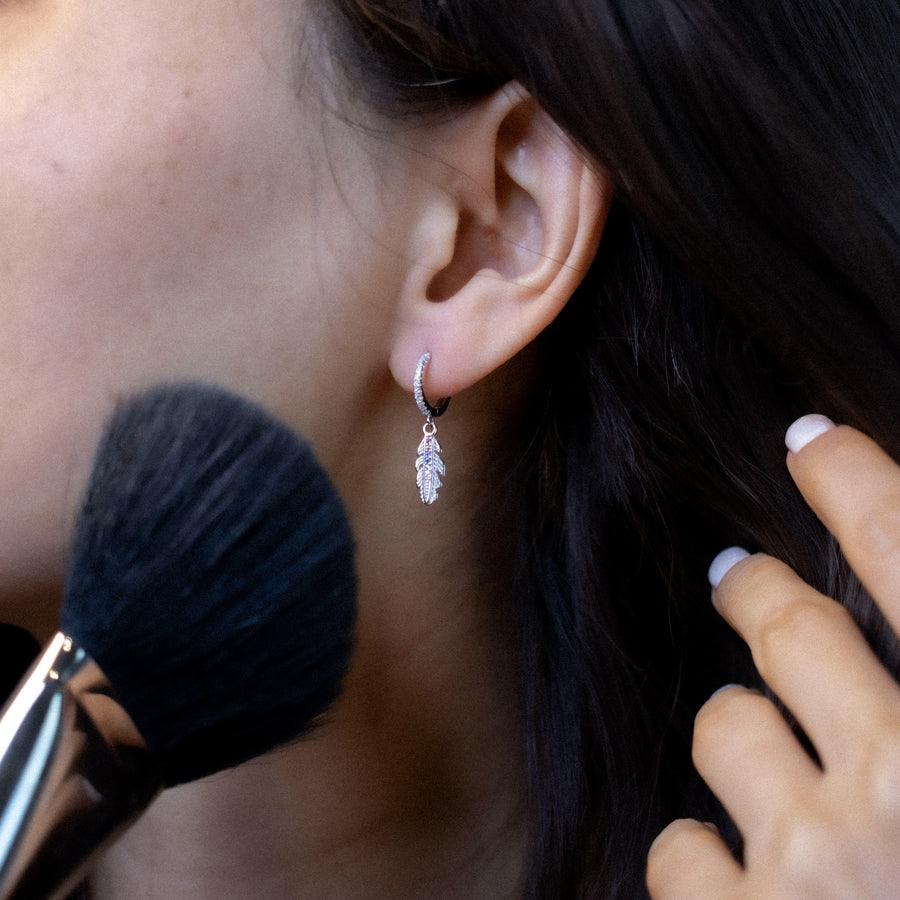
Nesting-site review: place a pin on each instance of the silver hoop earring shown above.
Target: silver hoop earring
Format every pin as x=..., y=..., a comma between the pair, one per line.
x=429, y=465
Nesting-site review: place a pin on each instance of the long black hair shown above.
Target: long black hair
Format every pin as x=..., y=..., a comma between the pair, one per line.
x=746, y=276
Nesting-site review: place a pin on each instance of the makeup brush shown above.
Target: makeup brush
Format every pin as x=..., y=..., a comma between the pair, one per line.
x=207, y=619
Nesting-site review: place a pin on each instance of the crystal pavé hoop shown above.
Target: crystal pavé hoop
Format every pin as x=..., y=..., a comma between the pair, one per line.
x=429, y=465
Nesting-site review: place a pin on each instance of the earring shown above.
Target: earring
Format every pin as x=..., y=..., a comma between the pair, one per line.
x=429, y=465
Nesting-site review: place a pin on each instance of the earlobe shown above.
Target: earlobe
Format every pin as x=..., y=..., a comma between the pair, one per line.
x=510, y=238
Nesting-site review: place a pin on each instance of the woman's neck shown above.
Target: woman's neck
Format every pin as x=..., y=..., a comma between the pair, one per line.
x=413, y=787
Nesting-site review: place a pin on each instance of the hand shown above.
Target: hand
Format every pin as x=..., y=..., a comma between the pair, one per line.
x=809, y=831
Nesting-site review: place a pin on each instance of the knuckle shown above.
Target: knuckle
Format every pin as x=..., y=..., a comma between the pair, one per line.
x=880, y=774
x=797, y=622
x=805, y=844
x=879, y=530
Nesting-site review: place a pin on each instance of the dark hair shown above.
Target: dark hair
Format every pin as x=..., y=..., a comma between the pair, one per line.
x=746, y=276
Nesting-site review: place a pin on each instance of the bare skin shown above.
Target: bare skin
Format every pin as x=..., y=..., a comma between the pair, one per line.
x=413, y=786
x=188, y=192
x=828, y=832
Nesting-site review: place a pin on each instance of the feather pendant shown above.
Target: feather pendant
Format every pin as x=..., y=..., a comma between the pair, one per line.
x=429, y=465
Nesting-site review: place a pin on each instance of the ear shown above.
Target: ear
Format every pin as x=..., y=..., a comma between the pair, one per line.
x=501, y=247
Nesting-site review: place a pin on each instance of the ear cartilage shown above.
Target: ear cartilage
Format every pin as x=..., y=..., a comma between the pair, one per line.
x=429, y=465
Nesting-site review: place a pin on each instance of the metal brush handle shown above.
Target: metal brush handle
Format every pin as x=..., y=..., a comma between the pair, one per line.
x=74, y=772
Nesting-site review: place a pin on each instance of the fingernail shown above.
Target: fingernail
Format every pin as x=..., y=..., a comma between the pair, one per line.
x=725, y=687
x=805, y=429
x=719, y=567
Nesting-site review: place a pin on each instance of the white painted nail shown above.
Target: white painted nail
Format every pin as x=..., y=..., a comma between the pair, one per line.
x=805, y=429
x=723, y=562
x=725, y=687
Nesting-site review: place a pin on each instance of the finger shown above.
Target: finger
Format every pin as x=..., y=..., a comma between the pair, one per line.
x=747, y=754
x=689, y=861
x=853, y=486
x=810, y=652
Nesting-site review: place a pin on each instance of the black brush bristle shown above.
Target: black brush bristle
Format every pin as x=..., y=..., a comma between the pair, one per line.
x=212, y=578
